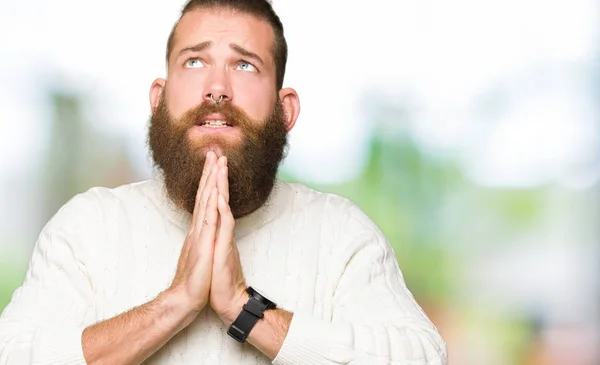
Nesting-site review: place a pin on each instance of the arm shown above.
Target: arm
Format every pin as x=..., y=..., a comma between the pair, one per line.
x=228, y=295
x=375, y=318
x=47, y=314
x=132, y=337
x=46, y=321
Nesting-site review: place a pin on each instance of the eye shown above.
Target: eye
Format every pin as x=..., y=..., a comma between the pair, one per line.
x=193, y=63
x=246, y=66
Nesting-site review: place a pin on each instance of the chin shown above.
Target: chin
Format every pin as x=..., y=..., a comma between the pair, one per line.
x=217, y=149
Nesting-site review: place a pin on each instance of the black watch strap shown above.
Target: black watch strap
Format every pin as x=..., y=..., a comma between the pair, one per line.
x=251, y=312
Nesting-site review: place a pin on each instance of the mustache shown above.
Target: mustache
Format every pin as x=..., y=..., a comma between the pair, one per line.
x=234, y=115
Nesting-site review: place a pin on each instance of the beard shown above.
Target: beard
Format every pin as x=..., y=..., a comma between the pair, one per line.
x=252, y=162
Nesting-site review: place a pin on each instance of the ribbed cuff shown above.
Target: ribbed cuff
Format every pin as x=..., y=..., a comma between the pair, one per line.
x=313, y=341
x=60, y=346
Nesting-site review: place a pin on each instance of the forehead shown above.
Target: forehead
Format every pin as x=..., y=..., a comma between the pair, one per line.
x=222, y=27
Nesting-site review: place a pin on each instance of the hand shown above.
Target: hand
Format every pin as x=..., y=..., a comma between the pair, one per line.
x=228, y=287
x=193, y=277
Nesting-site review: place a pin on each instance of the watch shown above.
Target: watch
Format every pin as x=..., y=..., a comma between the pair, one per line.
x=252, y=311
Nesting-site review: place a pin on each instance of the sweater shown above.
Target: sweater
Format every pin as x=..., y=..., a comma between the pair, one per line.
x=314, y=254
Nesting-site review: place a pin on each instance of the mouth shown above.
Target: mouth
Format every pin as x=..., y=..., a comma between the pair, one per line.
x=214, y=124
x=214, y=121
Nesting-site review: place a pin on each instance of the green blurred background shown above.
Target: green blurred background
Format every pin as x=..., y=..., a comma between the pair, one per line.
x=470, y=133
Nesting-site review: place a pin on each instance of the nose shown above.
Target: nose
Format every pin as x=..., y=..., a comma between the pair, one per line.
x=218, y=87
x=216, y=100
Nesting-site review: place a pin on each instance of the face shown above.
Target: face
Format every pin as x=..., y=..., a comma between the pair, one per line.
x=224, y=54
x=228, y=56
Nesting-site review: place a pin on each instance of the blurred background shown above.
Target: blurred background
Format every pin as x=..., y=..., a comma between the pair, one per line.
x=468, y=130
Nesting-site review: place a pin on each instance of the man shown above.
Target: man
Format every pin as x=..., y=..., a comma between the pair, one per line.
x=214, y=261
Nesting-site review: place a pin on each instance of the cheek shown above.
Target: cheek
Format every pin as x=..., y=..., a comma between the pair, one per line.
x=182, y=95
x=256, y=99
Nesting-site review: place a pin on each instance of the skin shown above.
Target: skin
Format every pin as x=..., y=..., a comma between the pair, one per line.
x=209, y=270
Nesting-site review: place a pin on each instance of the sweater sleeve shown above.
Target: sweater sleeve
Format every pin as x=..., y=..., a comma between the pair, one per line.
x=375, y=318
x=43, y=322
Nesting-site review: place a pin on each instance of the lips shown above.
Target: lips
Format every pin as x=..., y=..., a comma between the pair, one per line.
x=215, y=120
x=215, y=123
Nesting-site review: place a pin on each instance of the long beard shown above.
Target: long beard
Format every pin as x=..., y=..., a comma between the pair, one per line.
x=252, y=162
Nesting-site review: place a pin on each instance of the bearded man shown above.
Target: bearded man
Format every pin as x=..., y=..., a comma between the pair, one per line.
x=215, y=260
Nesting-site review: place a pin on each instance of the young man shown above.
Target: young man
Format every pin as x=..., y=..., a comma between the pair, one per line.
x=215, y=261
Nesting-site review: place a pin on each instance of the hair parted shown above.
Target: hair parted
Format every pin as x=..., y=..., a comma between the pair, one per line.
x=261, y=9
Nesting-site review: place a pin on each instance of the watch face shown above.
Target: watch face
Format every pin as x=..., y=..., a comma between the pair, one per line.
x=261, y=297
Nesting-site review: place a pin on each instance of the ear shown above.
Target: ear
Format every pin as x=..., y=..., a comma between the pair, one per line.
x=156, y=92
x=291, y=106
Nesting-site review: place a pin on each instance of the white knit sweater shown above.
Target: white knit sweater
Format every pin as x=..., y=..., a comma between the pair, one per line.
x=315, y=254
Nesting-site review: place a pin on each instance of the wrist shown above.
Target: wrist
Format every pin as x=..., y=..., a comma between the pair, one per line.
x=235, y=309
x=176, y=309
x=251, y=315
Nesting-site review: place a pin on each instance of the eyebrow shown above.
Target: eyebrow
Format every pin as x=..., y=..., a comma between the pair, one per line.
x=246, y=53
x=236, y=47
x=197, y=48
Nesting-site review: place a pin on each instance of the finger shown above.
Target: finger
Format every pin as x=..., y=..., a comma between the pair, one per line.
x=208, y=162
x=205, y=173
x=209, y=223
x=223, y=181
x=227, y=223
x=211, y=182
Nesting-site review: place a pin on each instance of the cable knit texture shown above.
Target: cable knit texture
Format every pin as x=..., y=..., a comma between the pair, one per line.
x=315, y=254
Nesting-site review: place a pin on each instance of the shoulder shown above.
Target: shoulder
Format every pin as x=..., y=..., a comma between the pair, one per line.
x=94, y=206
x=305, y=197
x=334, y=208
x=345, y=229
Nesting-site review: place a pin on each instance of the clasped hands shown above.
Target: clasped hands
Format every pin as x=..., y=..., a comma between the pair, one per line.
x=209, y=268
